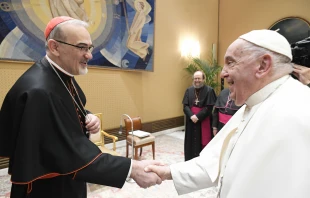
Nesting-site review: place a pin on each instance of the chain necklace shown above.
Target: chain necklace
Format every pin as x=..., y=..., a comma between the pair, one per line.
x=82, y=111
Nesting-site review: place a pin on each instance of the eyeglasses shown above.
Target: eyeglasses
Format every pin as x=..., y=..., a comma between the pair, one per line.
x=82, y=48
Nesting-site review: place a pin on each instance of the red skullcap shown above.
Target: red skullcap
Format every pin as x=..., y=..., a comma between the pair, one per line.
x=53, y=23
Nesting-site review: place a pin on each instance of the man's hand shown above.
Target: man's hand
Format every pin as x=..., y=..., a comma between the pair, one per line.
x=302, y=73
x=92, y=123
x=142, y=178
x=214, y=131
x=163, y=172
x=194, y=118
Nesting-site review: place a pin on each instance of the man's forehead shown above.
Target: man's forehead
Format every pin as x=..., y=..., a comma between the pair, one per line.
x=83, y=35
x=198, y=73
x=235, y=49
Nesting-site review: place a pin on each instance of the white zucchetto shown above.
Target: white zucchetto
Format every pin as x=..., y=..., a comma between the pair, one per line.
x=270, y=40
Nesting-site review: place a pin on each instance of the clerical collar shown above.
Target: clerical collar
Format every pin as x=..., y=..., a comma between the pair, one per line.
x=57, y=66
x=266, y=91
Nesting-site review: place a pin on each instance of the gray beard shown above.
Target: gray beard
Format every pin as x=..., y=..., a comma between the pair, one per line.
x=199, y=86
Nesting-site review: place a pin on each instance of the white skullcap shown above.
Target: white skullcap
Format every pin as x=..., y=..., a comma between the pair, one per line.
x=270, y=40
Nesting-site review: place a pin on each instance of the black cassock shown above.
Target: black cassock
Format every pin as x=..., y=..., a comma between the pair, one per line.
x=223, y=105
x=207, y=98
x=42, y=132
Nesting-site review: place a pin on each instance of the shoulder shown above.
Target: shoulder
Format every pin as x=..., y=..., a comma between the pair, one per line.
x=36, y=80
x=191, y=88
x=207, y=88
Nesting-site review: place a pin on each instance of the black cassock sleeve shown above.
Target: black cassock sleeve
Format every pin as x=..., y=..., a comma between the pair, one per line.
x=106, y=170
x=215, y=117
x=186, y=106
x=204, y=113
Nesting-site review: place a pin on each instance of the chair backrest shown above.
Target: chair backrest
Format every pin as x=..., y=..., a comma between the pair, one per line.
x=136, y=121
x=98, y=138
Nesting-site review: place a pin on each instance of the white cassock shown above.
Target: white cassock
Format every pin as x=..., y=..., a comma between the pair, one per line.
x=271, y=157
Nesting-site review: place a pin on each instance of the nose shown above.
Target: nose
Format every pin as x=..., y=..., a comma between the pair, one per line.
x=224, y=73
x=88, y=55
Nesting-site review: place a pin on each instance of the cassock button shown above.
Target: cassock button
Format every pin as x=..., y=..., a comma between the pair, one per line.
x=77, y=109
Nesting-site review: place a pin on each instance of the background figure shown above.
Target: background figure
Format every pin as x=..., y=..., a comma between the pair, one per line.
x=134, y=42
x=224, y=109
x=198, y=103
x=44, y=126
x=71, y=8
x=302, y=73
x=255, y=155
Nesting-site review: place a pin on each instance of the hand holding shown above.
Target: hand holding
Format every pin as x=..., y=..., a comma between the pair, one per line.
x=142, y=178
x=163, y=171
x=92, y=123
x=194, y=118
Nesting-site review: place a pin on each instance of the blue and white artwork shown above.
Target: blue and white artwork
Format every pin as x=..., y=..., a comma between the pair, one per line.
x=122, y=30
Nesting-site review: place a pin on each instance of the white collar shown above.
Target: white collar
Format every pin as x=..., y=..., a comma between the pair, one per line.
x=57, y=66
x=266, y=91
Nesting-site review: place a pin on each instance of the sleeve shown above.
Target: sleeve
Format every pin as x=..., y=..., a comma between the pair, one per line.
x=204, y=113
x=191, y=176
x=106, y=170
x=186, y=108
x=215, y=117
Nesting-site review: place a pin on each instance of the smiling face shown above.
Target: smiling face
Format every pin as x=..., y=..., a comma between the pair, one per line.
x=239, y=71
x=73, y=59
x=198, y=80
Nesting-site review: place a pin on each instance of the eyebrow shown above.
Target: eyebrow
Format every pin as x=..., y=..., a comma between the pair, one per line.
x=229, y=58
x=85, y=44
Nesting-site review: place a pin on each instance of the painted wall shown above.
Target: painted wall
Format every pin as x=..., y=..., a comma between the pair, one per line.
x=152, y=95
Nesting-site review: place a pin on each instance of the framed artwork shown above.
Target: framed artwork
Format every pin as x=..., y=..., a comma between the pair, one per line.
x=292, y=28
x=122, y=31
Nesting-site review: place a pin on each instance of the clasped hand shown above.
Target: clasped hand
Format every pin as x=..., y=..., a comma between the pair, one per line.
x=149, y=172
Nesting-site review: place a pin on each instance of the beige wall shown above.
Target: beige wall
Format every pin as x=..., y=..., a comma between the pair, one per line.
x=153, y=95
x=241, y=16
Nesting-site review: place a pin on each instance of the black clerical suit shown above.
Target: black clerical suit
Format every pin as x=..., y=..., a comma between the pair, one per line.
x=193, y=131
x=43, y=134
x=224, y=105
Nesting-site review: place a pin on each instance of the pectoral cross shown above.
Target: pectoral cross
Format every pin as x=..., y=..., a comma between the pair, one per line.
x=196, y=101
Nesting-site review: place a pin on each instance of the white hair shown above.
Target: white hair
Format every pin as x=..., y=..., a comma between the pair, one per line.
x=281, y=64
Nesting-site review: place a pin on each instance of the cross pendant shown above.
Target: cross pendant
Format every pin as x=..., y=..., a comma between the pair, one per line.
x=196, y=101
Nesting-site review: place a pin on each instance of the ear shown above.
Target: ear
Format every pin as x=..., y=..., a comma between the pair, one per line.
x=264, y=67
x=53, y=47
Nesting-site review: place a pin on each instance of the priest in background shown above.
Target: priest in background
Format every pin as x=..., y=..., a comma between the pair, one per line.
x=224, y=109
x=198, y=103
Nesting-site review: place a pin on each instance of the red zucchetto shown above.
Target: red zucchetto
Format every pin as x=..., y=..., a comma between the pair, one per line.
x=53, y=23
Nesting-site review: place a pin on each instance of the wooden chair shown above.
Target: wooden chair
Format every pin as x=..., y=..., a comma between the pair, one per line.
x=98, y=139
x=137, y=142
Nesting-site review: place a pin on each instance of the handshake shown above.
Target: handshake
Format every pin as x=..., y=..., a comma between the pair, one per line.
x=147, y=173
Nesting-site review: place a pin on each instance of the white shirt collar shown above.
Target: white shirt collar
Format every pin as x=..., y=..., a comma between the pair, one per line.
x=57, y=66
x=263, y=93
